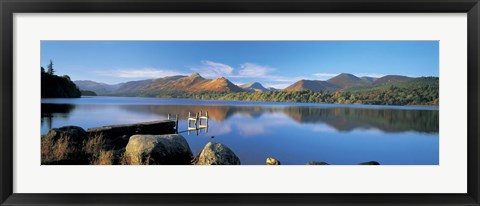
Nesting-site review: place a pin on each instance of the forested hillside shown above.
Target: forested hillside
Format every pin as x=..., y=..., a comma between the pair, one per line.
x=53, y=86
x=417, y=91
x=342, y=89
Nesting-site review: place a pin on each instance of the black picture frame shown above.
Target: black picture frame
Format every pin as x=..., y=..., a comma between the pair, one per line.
x=10, y=7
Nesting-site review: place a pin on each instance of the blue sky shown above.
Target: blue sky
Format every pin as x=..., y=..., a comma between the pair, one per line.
x=272, y=63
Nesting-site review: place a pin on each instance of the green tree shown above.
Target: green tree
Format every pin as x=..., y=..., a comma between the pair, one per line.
x=43, y=69
x=50, y=68
x=66, y=77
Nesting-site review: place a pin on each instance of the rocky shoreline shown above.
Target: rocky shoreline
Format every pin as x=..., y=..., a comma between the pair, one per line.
x=126, y=145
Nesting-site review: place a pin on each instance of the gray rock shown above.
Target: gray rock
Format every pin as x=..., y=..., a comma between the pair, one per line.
x=169, y=149
x=370, y=163
x=272, y=161
x=76, y=134
x=217, y=154
x=317, y=163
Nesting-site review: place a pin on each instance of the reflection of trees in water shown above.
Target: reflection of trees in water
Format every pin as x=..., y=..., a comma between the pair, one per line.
x=48, y=111
x=387, y=120
x=341, y=118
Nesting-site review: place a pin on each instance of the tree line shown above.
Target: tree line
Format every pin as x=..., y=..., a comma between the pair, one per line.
x=425, y=94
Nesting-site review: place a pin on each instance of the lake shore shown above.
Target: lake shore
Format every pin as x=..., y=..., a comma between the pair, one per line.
x=71, y=145
x=290, y=132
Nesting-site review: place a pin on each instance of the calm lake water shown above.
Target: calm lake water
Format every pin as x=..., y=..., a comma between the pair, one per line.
x=293, y=133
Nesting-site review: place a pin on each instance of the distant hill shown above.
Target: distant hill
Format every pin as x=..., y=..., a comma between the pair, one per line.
x=217, y=85
x=53, y=86
x=341, y=81
x=88, y=93
x=415, y=91
x=97, y=87
x=369, y=79
x=409, y=82
x=255, y=87
x=390, y=79
x=348, y=89
x=314, y=85
x=341, y=89
x=345, y=80
x=175, y=85
x=132, y=88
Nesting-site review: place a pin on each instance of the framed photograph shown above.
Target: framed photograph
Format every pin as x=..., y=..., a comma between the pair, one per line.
x=239, y=102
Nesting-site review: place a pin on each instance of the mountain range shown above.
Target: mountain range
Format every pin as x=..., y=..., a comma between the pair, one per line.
x=189, y=84
x=99, y=88
x=345, y=81
x=255, y=87
x=196, y=83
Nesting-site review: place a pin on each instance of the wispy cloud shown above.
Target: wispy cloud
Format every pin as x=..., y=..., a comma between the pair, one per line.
x=246, y=70
x=254, y=70
x=213, y=69
x=277, y=86
x=238, y=83
x=286, y=79
x=376, y=75
x=139, y=73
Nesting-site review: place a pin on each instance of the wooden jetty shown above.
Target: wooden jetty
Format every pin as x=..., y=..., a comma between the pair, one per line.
x=118, y=135
x=154, y=127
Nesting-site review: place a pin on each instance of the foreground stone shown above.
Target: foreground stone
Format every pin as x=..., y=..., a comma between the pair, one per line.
x=169, y=149
x=217, y=154
x=75, y=134
x=63, y=146
x=317, y=163
x=272, y=161
x=370, y=163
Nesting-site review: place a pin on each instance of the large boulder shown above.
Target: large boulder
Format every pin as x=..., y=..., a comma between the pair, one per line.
x=63, y=146
x=217, y=154
x=317, y=163
x=75, y=134
x=171, y=149
x=272, y=161
x=370, y=163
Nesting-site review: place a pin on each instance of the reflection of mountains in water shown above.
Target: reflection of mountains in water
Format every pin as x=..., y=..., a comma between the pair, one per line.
x=216, y=112
x=341, y=118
